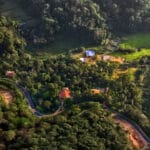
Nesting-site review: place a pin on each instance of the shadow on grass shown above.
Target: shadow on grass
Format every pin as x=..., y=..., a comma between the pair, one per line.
x=63, y=43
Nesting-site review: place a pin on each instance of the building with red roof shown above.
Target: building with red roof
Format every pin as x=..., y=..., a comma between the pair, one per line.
x=65, y=93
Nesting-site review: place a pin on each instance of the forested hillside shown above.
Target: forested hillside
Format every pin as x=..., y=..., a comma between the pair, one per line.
x=92, y=18
x=93, y=95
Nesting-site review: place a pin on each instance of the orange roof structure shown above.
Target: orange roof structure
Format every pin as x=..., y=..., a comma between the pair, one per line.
x=65, y=93
x=10, y=73
x=96, y=91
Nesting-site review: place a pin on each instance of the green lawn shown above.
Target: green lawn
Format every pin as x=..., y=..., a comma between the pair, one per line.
x=141, y=40
x=138, y=41
x=134, y=56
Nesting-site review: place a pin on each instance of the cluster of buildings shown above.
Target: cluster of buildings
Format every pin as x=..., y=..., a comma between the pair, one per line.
x=65, y=93
x=90, y=55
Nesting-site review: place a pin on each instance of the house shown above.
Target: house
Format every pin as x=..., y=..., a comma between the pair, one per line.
x=83, y=60
x=97, y=91
x=113, y=59
x=65, y=93
x=10, y=74
x=90, y=53
x=106, y=58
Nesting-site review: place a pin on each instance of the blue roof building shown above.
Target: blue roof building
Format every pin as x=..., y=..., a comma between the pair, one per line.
x=90, y=53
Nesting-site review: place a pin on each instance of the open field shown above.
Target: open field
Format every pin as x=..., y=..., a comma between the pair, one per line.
x=138, y=41
x=134, y=56
x=141, y=40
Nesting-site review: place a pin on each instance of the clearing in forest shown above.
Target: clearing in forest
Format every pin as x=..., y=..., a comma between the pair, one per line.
x=141, y=40
x=137, y=140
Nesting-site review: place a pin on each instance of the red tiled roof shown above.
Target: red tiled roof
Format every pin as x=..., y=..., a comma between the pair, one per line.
x=65, y=93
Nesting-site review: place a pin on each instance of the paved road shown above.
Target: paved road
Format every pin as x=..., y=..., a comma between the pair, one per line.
x=134, y=125
x=36, y=112
x=59, y=110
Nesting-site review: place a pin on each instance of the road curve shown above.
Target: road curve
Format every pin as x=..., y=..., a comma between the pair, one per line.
x=36, y=112
x=58, y=111
x=129, y=121
x=134, y=125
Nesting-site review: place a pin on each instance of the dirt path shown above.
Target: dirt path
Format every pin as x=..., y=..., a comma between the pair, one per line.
x=134, y=135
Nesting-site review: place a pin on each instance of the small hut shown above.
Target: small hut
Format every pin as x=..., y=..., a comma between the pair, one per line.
x=96, y=91
x=65, y=93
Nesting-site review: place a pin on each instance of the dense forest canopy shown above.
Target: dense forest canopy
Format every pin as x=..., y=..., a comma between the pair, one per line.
x=57, y=16
x=9, y=40
x=94, y=18
x=126, y=16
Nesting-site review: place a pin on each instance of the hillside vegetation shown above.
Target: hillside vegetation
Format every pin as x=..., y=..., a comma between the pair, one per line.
x=42, y=116
x=87, y=20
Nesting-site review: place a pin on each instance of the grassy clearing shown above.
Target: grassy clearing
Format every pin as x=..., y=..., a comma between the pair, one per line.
x=140, y=40
x=134, y=56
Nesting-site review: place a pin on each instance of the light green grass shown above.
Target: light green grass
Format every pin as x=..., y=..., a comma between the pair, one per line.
x=138, y=41
x=134, y=56
x=141, y=40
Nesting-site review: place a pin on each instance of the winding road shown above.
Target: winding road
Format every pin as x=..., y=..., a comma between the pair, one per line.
x=117, y=115
x=36, y=112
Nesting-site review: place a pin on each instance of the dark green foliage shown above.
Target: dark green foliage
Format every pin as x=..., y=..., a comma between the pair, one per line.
x=74, y=16
x=91, y=18
x=84, y=124
x=9, y=40
x=125, y=15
